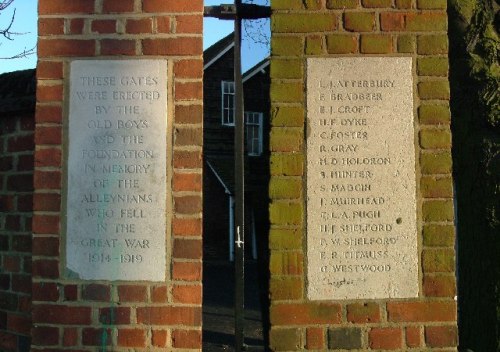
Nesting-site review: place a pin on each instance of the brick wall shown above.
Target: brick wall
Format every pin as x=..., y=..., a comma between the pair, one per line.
x=330, y=28
x=16, y=194
x=71, y=314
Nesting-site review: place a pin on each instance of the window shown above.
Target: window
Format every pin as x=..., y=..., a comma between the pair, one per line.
x=254, y=133
x=227, y=103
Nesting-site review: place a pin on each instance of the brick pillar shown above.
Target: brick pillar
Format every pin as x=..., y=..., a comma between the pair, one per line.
x=74, y=314
x=358, y=28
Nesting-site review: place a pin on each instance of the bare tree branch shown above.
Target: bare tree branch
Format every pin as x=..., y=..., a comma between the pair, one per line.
x=4, y=4
x=257, y=30
x=24, y=53
x=8, y=34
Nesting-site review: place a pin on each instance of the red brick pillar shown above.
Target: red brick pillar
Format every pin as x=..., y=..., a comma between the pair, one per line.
x=416, y=29
x=83, y=315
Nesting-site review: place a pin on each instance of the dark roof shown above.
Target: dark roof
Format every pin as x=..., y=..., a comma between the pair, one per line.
x=211, y=52
x=251, y=70
x=17, y=91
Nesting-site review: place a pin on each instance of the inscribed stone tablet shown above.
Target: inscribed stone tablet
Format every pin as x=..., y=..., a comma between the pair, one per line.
x=116, y=200
x=361, y=202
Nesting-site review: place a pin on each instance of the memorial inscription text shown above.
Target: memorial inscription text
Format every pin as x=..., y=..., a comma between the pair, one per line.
x=361, y=207
x=116, y=201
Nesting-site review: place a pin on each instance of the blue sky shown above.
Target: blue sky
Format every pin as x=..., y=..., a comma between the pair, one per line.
x=26, y=22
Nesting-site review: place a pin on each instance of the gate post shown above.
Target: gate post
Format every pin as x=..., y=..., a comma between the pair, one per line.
x=362, y=218
x=117, y=249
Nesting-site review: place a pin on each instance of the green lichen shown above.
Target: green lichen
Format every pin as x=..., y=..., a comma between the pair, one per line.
x=483, y=45
x=466, y=8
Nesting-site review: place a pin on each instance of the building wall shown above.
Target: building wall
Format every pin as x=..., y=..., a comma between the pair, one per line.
x=215, y=218
x=72, y=314
x=219, y=144
x=256, y=93
x=331, y=28
x=16, y=198
x=218, y=139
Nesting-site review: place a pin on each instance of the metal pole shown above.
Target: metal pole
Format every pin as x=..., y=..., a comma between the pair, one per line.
x=231, y=228
x=239, y=172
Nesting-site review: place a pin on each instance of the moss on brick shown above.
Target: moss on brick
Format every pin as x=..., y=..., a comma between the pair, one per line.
x=285, y=339
x=377, y=3
x=436, y=163
x=431, y=4
x=286, y=263
x=314, y=45
x=285, y=288
x=286, y=68
x=341, y=44
x=434, y=187
x=439, y=235
x=435, y=139
x=342, y=4
x=359, y=21
x=287, y=46
x=438, y=210
x=285, y=164
x=286, y=139
x=439, y=285
x=313, y=4
x=345, y=338
x=406, y=44
x=285, y=213
x=285, y=188
x=306, y=313
x=434, y=90
x=392, y=21
x=376, y=44
x=434, y=114
x=300, y=23
x=287, y=92
x=426, y=22
x=292, y=116
x=438, y=260
x=432, y=44
x=287, y=5
x=285, y=239
x=432, y=66
x=403, y=4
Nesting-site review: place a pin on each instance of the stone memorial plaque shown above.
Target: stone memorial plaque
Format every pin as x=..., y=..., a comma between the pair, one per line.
x=361, y=188
x=116, y=191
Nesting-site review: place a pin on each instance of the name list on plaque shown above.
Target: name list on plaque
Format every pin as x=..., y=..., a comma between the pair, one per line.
x=361, y=191
x=116, y=192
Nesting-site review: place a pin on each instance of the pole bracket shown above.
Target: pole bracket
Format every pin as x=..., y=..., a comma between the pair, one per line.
x=243, y=11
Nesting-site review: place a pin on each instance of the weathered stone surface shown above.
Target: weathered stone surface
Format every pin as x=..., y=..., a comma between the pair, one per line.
x=116, y=189
x=361, y=183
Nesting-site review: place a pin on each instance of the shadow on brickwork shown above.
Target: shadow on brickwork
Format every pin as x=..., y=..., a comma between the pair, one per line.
x=218, y=311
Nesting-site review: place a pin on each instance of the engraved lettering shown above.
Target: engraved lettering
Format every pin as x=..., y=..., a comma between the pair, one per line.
x=125, y=228
x=360, y=179
x=135, y=243
x=128, y=183
x=116, y=205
